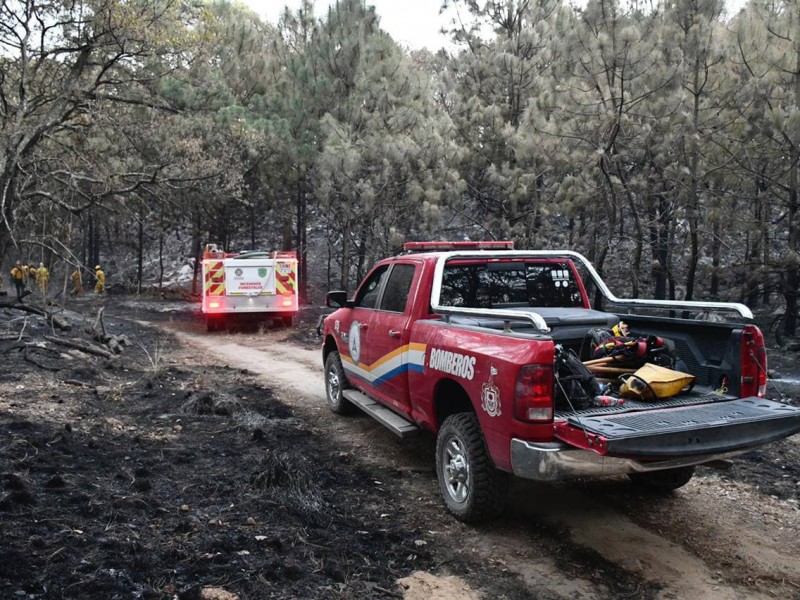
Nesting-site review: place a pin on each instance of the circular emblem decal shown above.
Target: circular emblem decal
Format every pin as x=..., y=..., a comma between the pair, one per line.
x=238, y=272
x=354, y=341
x=490, y=395
x=490, y=399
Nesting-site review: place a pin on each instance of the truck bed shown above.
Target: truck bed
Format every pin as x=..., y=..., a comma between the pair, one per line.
x=696, y=396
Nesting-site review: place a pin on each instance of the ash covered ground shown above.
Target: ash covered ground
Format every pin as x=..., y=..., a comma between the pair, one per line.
x=138, y=475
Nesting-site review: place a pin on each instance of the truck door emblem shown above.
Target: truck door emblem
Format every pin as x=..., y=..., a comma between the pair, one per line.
x=490, y=396
x=354, y=342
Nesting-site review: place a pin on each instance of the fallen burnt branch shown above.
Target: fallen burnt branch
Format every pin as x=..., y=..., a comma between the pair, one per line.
x=15, y=346
x=30, y=355
x=76, y=382
x=57, y=321
x=80, y=345
x=115, y=342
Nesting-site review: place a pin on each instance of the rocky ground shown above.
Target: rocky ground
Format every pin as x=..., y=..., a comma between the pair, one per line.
x=207, y=466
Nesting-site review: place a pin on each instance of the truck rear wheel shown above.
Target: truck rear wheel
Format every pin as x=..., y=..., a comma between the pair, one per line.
x=214, y=323
x=473, y=489
x=335, y=385
x=663, y=482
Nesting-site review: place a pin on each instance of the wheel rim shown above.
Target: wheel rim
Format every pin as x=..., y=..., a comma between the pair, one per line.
x=333, y=386
x=456, y=470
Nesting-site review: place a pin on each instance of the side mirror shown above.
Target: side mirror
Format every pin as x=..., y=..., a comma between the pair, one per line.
x=336, y=299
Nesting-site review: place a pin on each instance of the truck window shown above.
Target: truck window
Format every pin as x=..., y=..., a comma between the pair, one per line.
x=509, y=285
x=397, y=288
x=368, y=293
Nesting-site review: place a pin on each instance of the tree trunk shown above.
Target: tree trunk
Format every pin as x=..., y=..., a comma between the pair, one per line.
x=716, y=260
x=345, y=278
x=792, y=270
x=659, y=243
x=161, y=250
x=196, y=252
x=140, y=256
x=301, y=241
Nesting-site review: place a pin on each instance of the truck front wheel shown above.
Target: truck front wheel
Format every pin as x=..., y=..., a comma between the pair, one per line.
x=335, y=385
x=473, y=489
x=663, y=482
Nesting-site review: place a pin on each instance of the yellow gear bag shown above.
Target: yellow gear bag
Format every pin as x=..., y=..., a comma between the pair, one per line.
x=653, y=382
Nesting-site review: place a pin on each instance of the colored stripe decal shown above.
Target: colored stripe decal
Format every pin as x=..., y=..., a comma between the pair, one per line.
x=410, y=357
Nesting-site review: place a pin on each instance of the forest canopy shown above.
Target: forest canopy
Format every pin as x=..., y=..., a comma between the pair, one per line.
x=661, y=139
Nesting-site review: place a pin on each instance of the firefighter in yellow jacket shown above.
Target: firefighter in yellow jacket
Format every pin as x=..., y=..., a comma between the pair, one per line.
x=100, y=286
x=77, y=282
x=18, y=277
x=42, y=278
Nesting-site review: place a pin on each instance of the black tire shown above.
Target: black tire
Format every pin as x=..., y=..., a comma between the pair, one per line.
x=212, y=323
x=473, y=489
x=662, y=482
x=335, y=385
x=287, y=321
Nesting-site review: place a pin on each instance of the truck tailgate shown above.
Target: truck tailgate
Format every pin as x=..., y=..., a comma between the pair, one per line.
x=682, y=431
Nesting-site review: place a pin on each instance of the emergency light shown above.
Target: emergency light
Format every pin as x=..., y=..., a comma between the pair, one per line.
x=444, y=246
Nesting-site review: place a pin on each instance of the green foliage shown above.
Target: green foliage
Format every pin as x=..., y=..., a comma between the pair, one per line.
x=663, y=143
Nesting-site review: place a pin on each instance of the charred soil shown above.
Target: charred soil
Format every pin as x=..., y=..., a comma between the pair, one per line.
x=168, y=472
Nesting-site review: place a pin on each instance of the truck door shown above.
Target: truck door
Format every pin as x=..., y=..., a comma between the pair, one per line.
x=354, y=328
x=376, y=352
x=387, y=338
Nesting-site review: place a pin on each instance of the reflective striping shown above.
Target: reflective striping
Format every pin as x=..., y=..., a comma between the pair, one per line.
x=214, y=281
x=286, y=278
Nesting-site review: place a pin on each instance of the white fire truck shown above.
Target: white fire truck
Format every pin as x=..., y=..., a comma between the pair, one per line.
x=252, y=284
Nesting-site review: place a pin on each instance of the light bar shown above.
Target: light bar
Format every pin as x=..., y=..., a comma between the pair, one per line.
x=444, y=246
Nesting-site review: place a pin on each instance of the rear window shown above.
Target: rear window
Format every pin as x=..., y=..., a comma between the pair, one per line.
x=510, y=285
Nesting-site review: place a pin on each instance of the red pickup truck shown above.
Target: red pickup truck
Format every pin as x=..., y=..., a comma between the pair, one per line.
x=462, y=339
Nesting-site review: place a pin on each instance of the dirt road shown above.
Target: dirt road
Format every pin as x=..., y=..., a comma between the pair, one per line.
x=726, y=535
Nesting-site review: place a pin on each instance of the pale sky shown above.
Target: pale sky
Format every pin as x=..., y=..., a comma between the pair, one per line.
x=415, y=23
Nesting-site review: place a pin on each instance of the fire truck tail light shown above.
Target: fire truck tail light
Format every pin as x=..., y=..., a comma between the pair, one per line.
x=533, y=397
x=286, y=303
x=214, y=305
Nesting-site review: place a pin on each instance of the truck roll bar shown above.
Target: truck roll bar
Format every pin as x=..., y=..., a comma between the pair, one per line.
x=537, y=319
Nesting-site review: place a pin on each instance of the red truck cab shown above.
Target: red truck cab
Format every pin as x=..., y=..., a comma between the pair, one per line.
x=460, y=339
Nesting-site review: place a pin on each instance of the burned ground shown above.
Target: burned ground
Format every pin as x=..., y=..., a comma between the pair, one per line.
x=140, y=476
x=126, y=478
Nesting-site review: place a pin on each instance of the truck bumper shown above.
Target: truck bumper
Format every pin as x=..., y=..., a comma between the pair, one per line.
x=555, y=461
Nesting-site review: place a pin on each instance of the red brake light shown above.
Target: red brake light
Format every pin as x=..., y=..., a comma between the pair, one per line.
x=533, y=394
x=754, y=363
x=214, y=305
x=286, y=303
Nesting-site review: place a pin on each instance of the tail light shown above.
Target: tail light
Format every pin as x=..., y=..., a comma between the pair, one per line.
x=214, y=305
x=754, y=363
x=286, y=303
x=533, y=394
